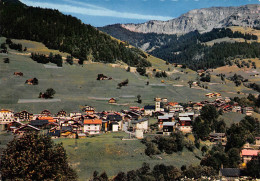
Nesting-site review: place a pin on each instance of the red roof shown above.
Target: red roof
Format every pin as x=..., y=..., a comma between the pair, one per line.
x=250, y=152
x=92, y=121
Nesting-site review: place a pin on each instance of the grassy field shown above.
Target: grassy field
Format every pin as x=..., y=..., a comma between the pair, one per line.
x=76, y=85
x=109, y=153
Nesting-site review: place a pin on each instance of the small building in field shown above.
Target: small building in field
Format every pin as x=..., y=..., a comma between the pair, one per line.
x=18, y=74
x=92, y=126
x=112, y=101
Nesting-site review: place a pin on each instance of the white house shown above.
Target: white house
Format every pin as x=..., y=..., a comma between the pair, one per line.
x=141, y=124
x=92, y=126
x=6, y=116
x=115, y=127
x=149, y=110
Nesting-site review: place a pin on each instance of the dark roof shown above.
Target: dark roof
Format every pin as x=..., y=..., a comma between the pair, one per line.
x=114, y=117
x=139, y=120
x=54, y=133
x=39, y=122
x=66, y=128
x=230, y=172
x=149, y=107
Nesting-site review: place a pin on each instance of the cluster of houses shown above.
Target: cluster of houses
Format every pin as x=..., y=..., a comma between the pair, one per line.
x=75, y=124
x=171, y=116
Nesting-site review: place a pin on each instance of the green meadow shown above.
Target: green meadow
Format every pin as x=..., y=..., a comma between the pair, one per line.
x=108, y=152
x=77, y=86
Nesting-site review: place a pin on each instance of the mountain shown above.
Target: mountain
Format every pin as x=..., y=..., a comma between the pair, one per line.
x=65, y=33
x=203, y=20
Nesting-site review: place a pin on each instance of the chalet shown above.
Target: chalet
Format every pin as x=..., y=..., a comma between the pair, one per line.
x=114, y=126
x=217, y=137
x=92, y=126
x=134, y=114
x=185, y=124
x=164, y=118
x=62, y=113
x=176, y=108
x=23, y=116
x=134, y=108
x=217, y=94
x=18, y=74
x=103, y=77
x=149, y=110
x=54, y=133
x=248, y=111
x=140, y=124
x=227, y=99
x=13, y=126
x=33, y=81
x=88, y=109
x=6, y=116
x=168, y=128
x=247, y=155
x=210, y=95
x=46, y=112
x=197, y=106
x=67, y=133
x=115, y=118
x=49, y=118
x=112, y=101
x=27, y=129
x=200, y=72
x=75, y=114
x=164, y=100
x=77, y=127
x=237, y=109
x=187, y=114
x=39, y=123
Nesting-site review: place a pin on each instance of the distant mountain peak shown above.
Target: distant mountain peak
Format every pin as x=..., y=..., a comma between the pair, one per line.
x=203, y=20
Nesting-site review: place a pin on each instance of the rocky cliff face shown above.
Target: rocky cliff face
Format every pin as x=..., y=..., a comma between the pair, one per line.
x=203, y=20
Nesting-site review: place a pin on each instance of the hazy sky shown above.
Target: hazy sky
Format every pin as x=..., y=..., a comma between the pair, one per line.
x=104, y=12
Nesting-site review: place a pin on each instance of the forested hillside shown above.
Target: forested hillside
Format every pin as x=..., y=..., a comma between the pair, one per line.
x=65, y=33
x=190, y=49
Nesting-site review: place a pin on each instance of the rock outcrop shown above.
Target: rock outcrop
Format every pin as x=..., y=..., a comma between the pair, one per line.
x=203, y=20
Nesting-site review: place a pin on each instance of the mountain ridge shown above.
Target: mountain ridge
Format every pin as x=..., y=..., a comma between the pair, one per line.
x=203, y=20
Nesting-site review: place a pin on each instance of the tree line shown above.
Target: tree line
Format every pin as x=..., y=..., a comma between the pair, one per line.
x=64, y=33
x=41, y=58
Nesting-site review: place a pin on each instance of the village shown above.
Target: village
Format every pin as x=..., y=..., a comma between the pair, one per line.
x=170, y=117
